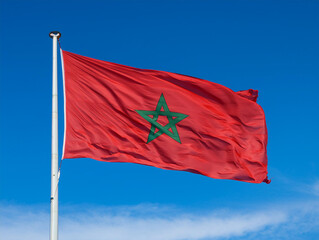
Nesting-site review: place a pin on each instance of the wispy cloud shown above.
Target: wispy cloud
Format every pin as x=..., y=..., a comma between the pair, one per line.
x=145, y=222
x=308, y=188
x=315, y=188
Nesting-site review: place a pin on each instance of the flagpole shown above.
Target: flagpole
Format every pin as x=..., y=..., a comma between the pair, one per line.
x=54, y=143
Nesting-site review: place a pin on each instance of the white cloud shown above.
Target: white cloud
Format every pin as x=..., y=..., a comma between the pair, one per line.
x=315, y=188
x=151, y=222
x=309, y=188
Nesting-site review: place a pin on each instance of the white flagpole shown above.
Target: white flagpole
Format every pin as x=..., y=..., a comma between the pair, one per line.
x=54, y=147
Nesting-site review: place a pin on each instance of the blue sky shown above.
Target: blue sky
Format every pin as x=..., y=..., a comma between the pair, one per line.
x=271, y=46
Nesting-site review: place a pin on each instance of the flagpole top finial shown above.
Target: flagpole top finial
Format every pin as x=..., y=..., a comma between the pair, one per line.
x=55, y=34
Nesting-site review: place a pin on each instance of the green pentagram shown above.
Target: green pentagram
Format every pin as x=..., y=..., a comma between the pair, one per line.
x=173, y=118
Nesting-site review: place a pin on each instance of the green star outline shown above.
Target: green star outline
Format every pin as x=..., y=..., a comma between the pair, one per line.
x=162, y=129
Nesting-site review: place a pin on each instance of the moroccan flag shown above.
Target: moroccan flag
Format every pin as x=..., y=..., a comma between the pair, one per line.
x=116, y=113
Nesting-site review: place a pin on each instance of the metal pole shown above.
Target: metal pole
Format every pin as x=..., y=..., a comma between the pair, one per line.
x=54, y=147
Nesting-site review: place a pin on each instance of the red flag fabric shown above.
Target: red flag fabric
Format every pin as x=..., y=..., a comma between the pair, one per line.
x=116, y=113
